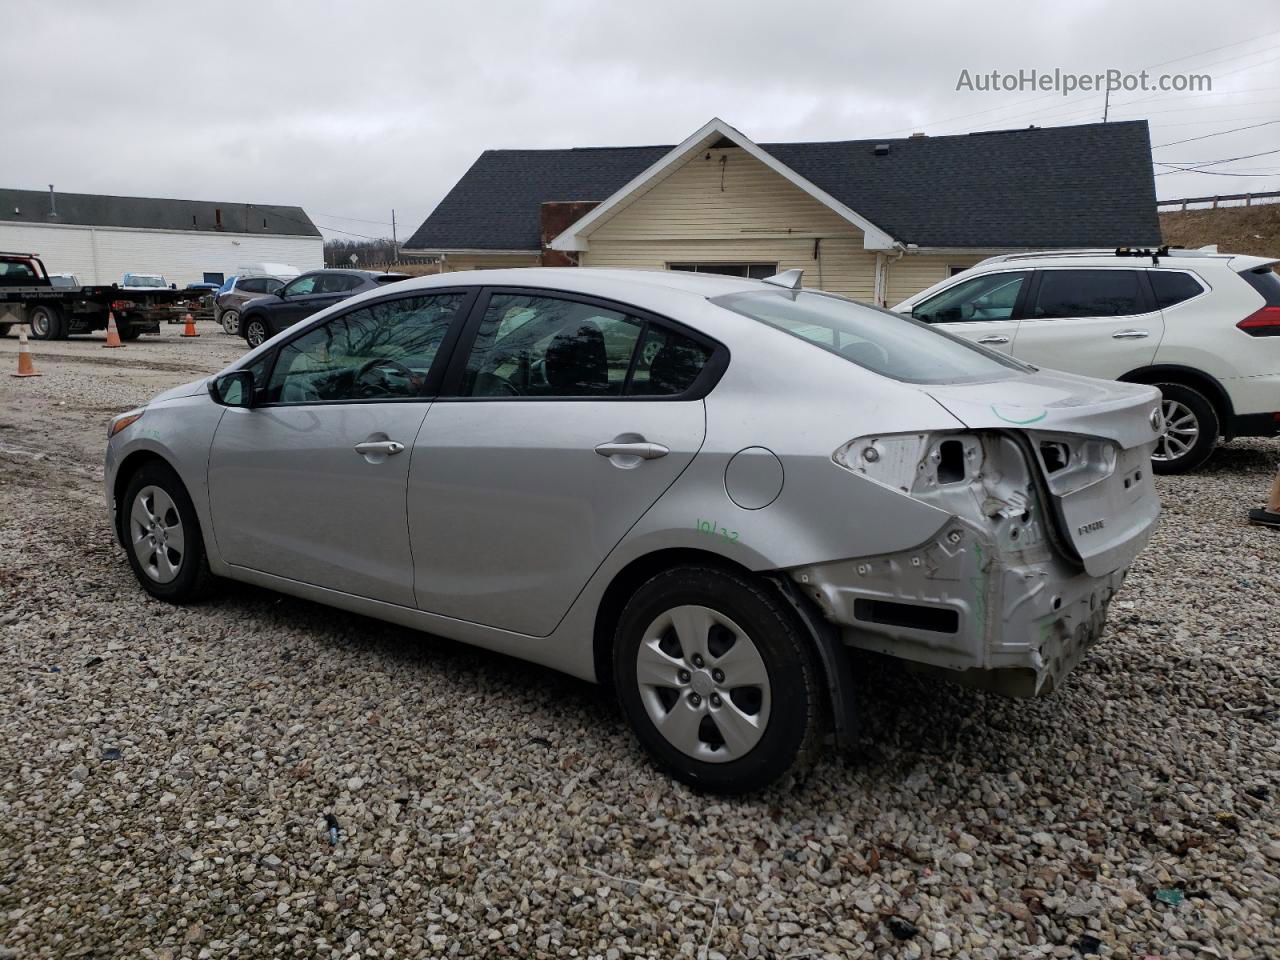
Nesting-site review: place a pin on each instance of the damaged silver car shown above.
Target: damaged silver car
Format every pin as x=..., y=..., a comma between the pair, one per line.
x=701, y=490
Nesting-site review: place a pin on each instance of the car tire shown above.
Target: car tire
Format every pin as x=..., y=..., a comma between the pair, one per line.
x=161, y=536
x=47, y=323
x=230, y=321
x=128, y=332
x=255, y=332
x=1191, y=430
x=4, y=329
x=678, y=647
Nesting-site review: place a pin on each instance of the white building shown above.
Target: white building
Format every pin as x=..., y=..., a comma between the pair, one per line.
x=99, y=238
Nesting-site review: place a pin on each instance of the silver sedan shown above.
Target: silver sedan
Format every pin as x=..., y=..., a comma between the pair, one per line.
x=701, y=490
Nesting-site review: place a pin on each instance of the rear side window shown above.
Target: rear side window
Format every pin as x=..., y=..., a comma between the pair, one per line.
x=1172, y=287
x=1266, y=281
x=668, y=363
x=1088, y=293
x=883, y=342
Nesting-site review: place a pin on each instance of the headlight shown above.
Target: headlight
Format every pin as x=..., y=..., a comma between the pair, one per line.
x=125, y=419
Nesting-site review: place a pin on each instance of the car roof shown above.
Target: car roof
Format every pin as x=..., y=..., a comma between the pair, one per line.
x=607, y=282
x=1173, y=258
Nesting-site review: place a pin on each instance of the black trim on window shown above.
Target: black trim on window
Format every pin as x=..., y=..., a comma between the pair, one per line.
x=1148, y=304
x=430, y=387
x=707, y=378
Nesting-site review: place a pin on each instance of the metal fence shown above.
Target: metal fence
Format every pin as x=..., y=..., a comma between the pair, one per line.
x=1222, y=200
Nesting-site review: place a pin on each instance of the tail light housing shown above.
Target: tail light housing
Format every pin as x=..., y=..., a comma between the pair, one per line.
x=1262, y=323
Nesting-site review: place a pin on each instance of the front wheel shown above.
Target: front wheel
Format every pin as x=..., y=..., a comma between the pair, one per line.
x=231, y=322
x=1191, y=429
x=129, y=332
x=162, y=536
x=255, y=332
x=718, y=679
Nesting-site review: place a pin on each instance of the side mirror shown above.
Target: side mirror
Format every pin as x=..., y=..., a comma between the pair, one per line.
x=234, y=389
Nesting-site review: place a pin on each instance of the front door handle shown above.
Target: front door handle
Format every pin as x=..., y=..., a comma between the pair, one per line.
x=387, y=448
x=1130, y=335
x=641, y=448
x=994, y=340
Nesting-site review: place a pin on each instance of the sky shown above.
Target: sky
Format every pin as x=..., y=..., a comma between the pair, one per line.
x=352, y=110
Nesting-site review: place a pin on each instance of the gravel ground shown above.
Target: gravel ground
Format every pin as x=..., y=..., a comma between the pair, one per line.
x=168, y=777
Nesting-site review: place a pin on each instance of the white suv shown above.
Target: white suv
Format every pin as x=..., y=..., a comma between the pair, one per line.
x=1204, y=327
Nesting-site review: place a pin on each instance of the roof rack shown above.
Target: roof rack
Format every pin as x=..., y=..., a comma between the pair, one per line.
x=1155, y=254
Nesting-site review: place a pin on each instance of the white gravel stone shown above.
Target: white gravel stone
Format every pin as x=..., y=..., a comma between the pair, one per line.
x=170, y=801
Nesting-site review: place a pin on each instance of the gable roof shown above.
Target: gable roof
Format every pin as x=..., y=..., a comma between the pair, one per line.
x=97, y=210
x=1083, y=186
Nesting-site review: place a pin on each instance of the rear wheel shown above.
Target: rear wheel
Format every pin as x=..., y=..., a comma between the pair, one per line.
x=47, y=323
x=231, y=322
x=1191, y=429
x=255, y=332
x=128, y=331
x=162, y=536
x=718, y=680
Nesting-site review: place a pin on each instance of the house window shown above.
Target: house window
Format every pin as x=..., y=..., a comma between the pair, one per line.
x=756, y=271
x=953, y=270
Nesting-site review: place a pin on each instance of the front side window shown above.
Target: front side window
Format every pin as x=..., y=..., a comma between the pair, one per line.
x=1088, y=293
x=302, y=286
x=383, y=351
x=547, y=347
x=883, y=342
x=991, y=296
x=272, y=285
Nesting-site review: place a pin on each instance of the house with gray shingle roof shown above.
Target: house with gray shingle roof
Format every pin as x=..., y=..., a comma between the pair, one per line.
x=877, y=220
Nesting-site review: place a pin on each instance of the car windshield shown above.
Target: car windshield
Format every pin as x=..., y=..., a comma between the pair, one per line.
x=881, y=341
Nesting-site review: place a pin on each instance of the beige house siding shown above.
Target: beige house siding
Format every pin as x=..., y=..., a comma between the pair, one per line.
x=725, y=206
x=490, y=261
x=913, y=272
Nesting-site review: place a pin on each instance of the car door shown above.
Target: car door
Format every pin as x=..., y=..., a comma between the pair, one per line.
x=1101, y=322
x=309, y=483
x=563, y=419
x=982, y=308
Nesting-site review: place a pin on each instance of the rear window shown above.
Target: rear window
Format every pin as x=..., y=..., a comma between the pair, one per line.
x=881, y=341
x=1172, y=287
x=1267, y=282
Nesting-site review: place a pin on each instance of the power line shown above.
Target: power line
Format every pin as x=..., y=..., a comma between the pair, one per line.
x=1220, y=173
x=1220, y=133
x=1212, y=163
x=334, y=216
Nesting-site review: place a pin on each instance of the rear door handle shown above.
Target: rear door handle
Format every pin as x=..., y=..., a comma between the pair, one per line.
x=994, y=340
x=642, y=449
x=1130, y=335
x=386, y=447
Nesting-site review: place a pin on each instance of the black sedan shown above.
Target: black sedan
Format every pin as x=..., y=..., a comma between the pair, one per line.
x=264, y=317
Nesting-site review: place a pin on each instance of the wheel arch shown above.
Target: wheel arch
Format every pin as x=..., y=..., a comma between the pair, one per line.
x=1213, y=391
x=129, y=466
x=832, y=654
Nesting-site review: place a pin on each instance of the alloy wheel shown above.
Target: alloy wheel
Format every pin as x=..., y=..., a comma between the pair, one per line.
x=1182, y=430
x=255, y=333
x=231, y=321
x=155, y=532
x=703, y=683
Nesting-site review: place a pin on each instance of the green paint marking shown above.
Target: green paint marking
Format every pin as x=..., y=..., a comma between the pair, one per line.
x=979, y=584
x=1021, y=423
x=711, y=528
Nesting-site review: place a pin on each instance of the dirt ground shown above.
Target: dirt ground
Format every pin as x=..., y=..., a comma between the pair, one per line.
x=167, y=774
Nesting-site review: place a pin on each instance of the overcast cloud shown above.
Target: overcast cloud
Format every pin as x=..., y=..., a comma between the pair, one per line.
x=350, y=110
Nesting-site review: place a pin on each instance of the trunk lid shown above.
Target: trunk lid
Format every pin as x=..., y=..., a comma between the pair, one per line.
x=1092, y=442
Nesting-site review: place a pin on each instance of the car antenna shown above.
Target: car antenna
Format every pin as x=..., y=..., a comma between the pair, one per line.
x=790, y=279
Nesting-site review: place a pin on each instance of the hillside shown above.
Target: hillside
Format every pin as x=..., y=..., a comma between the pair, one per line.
x=1253, y=230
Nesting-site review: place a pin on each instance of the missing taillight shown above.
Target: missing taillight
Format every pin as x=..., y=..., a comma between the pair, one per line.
x=1056, y=455
x=950, y=461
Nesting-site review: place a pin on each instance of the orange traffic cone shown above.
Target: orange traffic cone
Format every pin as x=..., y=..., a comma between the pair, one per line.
x=25, y=367
x=190, y=329
x=113, y=335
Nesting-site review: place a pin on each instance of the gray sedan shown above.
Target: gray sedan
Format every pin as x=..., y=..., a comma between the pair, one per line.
x=701, y=490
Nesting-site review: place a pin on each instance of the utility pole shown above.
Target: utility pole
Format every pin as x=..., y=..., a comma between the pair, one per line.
x=395, y=246
x=1106, y=105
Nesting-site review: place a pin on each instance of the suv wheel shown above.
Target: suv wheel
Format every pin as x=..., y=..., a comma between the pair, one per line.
x=255, y=332
x=46, y=323
x=162, y=536
x=718, y=680
x=1191, y=429
x=231, y=322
